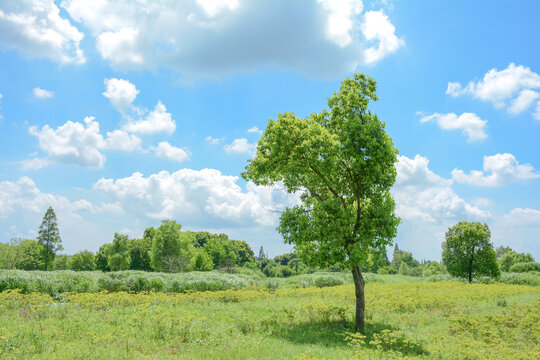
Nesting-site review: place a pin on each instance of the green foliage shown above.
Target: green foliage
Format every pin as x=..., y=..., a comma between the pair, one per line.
x=102, y=257
x=61, y=262
x=467, y=251
x=9, y=253
x=342, y=162
x=400, y=257
x=511, y=258
x=501, y=250
x=49, y=238
x=202, y=261
x=525, y=267
x=82, y=261
x=30, y=255
x=243, y=252
x=433, y=268
x=220, y=249
x=171, y=251
x=139, y=252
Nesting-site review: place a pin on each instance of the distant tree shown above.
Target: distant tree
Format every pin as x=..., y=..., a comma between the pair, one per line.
x=49, y=238
x=202, y=261
x=284, y=259
x=220, y=249
x=82, y=261
x=262, y=255
x=139, y=251
x=61, y=262
x=119, y=257
x=9, y=253
x=201, y=238
x=102, y=257
x=501, y=250
x=402, y=256
x=243, y=252
x=433, y=268
x=170, y=250
x=511, y=258
x=467, y=251
x=30, y=255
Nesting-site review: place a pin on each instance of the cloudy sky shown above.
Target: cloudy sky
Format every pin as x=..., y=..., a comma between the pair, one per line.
x=121, y=113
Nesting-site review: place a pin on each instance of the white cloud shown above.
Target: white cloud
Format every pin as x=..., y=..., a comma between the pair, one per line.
x=377, y=26
x=422, y=195
x=255, y=130
x=523, y=101
x=121, y=140
x=78, y=144
x=499, y=169
x=241, y=146
x=214, y=38
x=167, y=151
x=121, y=48
x=519, y=229
x=36, y=28
x=204, y=197
x=341, y=19
x=158, y=120
x=212, y=140
x=34, y=163
x=469, y=123
x=72, y=143
x=536, y=114
x=498, y=87
x=120, y=92
x=213, y=8
x=427, y=206
x=42, y=93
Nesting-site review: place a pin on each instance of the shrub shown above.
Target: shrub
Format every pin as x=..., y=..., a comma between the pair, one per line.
x=325, y=281
x=525, y=267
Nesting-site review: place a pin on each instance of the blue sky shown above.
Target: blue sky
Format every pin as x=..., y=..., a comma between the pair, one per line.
x=121, y=113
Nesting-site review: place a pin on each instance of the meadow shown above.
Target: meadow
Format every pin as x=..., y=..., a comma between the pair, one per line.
x=293, y=318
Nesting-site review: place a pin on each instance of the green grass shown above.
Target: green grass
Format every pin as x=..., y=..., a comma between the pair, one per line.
x=423, y=320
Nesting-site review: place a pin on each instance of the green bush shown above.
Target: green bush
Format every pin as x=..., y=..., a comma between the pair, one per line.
x=525, y=267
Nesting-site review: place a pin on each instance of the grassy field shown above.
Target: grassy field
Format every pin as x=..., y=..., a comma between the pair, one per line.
x=424, y=320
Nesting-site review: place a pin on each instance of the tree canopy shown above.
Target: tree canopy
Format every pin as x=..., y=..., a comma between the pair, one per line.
x=341, y=162
x=467, y=251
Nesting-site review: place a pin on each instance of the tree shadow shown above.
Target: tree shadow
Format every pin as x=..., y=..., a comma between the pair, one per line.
x=327, y=333
x=378, y=335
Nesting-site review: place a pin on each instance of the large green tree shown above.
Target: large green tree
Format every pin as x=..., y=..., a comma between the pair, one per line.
x=171, y=252
x=342, y=162
x=467, y=251
x=49, y=238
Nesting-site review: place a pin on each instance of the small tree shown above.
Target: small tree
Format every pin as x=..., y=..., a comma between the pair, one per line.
x=467, y=251
x=82, y=261
x=510, y=258
x=342, y=164
x=49, y=238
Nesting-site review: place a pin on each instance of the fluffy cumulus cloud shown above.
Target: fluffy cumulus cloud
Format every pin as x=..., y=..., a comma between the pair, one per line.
x=513, y=88
x=469, y=123
x=427, y=206
x=423, y=195
x=519, y=229
x=167, y=151
x=213, y=38
x=255, y=130
x=240, y=146
x=36, y=28
x=157, y=120
x=204, y=197
x=42, y=93
x=122, y=94
x=78, y=144
x=377, y=27
x=499, y=169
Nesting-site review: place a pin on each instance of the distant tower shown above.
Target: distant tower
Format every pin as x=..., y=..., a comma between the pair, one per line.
x=262, y=256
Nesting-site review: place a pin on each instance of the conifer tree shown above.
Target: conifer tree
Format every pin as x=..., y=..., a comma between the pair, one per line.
x=49, y=238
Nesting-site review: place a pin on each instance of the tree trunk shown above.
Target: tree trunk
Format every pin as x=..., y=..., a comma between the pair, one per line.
x=359, y=285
